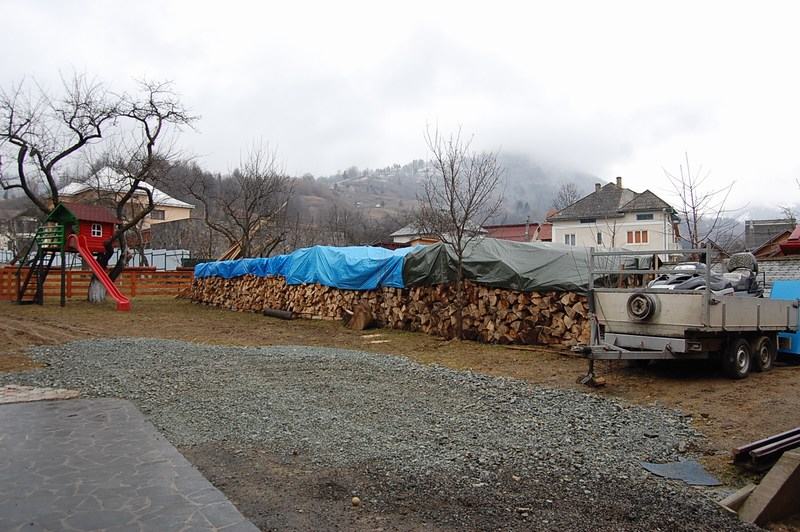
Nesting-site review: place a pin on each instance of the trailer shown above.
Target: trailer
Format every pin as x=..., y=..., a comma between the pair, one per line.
x=647, y=323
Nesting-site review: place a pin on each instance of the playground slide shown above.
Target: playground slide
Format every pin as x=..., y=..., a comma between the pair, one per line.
x=79, y=242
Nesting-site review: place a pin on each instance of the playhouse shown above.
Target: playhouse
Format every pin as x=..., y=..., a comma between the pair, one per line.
x=96, y=224
x=73, y=228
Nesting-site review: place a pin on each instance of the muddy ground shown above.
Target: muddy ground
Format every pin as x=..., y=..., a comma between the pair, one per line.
x=729, y=413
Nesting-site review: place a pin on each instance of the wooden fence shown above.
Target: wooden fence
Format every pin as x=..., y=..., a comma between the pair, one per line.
x=133, y=282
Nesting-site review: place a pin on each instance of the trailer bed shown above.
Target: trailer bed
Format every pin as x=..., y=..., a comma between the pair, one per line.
x=679, y=314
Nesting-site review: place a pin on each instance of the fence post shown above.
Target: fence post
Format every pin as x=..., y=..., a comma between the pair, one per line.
x=133, y=276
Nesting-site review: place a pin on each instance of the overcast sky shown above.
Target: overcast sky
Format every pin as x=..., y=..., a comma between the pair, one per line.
x=609, y=88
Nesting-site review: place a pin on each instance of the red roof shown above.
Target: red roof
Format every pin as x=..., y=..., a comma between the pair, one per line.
x=515, y=232
x=791, y=246
x=92, y=213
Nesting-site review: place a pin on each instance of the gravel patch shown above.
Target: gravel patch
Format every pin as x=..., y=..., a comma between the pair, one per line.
x=557, y=457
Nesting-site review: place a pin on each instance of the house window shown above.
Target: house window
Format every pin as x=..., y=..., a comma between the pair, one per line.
x=645, y=216
x=638, y=237
x=599, y=239
x=588, y=220
x=157, y=214
x=97, y=230
x=569, y=239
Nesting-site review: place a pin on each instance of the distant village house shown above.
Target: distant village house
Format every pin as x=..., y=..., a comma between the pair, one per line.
x=614, y=216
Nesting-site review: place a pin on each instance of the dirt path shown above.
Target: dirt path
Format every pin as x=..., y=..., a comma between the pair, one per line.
x=728, y=412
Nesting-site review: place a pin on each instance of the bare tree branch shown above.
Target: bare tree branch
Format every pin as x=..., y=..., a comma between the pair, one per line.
x=566, y=195
x=42, y=132
x=459, y=195
x=703, y=210
x=244, y=207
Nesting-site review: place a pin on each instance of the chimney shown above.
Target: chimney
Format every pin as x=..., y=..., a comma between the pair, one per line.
x=596, y=187
x=619, y=182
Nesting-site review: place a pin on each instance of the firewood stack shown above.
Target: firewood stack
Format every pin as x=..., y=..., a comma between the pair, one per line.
x=492, y=315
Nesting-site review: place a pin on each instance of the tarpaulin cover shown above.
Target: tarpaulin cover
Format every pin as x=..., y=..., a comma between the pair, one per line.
x=523, y=266
x=528, y=266
x=351, y=268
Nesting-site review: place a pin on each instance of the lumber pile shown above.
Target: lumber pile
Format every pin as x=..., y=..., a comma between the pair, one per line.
x=491, y=315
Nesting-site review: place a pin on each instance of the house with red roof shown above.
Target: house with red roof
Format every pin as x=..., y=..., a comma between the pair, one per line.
x=527, y=232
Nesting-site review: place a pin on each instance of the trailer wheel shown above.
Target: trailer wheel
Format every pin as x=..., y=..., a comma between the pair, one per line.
x=641, y=306
x=736, y=359
x=763, y=354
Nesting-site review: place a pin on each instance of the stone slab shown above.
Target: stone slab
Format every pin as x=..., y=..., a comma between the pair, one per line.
x=98, y=464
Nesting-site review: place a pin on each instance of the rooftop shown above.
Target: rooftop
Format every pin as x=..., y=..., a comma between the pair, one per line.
x=109, y=180
x=611, y=201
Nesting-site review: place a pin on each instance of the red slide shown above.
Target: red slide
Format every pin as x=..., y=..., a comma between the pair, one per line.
x=79, y=242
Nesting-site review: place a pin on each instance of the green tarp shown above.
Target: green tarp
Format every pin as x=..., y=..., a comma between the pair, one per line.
x=523, y=266
x=534, y=266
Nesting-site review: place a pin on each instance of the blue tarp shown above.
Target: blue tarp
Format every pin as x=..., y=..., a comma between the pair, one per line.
x=351, y=268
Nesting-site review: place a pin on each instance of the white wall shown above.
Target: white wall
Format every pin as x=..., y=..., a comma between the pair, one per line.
x=615, y=232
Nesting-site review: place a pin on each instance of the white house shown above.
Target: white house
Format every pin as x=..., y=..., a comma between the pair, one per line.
x=110, y=185
x=615, y=217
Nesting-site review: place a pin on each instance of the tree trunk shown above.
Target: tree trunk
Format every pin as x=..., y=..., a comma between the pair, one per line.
x=97, y=292
x=460, y=300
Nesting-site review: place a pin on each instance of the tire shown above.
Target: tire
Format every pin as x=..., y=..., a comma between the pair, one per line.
x=641, y=307
x=737, y=358
x=763, y=354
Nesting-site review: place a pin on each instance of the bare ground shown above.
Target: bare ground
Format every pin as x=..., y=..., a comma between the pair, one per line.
x=729, y=413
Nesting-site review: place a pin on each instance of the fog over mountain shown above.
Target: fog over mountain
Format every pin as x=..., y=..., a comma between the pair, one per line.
x=611, y=88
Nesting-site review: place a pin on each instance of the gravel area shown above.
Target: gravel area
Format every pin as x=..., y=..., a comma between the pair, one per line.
x=492, y=448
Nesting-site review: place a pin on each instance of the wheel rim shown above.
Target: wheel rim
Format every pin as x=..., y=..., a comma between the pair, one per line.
x=764, y=355
x=640, y=307
x=742, y=359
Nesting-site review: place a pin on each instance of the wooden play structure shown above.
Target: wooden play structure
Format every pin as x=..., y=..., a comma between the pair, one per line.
x=72, y=228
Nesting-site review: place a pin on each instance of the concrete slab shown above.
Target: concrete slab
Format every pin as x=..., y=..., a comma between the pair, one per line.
x=97, y=464
x=778, y=494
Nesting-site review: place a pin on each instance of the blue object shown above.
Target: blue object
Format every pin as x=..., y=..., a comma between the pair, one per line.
x=350, y=268
x=788, y=290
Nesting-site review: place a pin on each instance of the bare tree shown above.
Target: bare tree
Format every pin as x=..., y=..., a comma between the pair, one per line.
x=566, y=195
x=460, y=193
x=787, y=213
x=703, y=210
x=246, y=207
x=345, y=226
x=41, y=133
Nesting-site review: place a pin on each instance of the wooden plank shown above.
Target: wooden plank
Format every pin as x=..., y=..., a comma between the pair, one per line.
x=735, y=500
